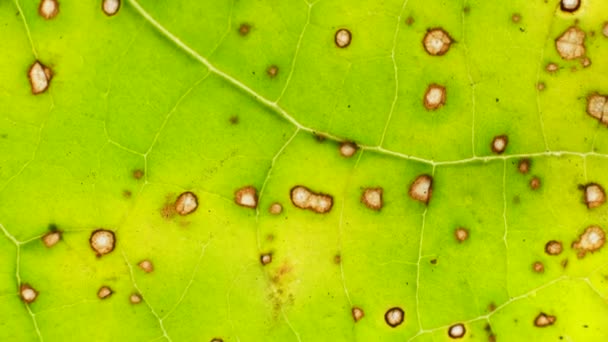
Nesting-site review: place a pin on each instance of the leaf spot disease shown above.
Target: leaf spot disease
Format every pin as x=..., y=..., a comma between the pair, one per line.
x=570, y=5
x=534, y=183
x=372, y=198
x=552, y=67
x=422, y=189
x=357, y=313
x=538, y=267
x=342, y=38
x=146, y=266
x=102, y=241
x=571, y=44
x=592, y=240
x=544, y=320
x=524, y=166
x=304, y=198
x=275, y=208
x=553, y=247
x=40, y=77
x=246, y=197
x=50, y=239
x=135, y=298
x=597, y=107
x=272, y=71
x=461, y=234
x=499, y=144
x=436, y=42
x=104, y=292
x=186, y=203
x=48, y=9
x=605, y=29
x=244, y=29
x=394, y=317
x=348, y=149
x=595, y=195
x=138, y=174
x=27, y=293
x=457, y=331
x=110, y=7
x=266, y=259
x=516, y=17
x=434, y=97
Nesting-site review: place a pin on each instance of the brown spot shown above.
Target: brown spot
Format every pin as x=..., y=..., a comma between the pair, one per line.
x=127, y=194
x=605, y=29
x=570, y=5
x=524, y=165
x=586, y=62
x=571, y=44
x=186, y=203
x=217, y=340
x=342, y=38
x=270, y=237
x=246, y=197
x=275, y=208
x=48, y=9
x=461, y=234
x=436, y=42
x=137, y=174
x=102, y=241
x=40, y=77
x=27, y=293
x=244, y=29
x=491, y=338
x=304, y=198
x=337, y=259
x=135, y=298
x=434, y=97
x=553, y=247
x=595, y=195
x=272, y=71
x=552, y=67
x=540, y=86
x=104, y=292
x=457, y=331
x=597, y=107
x=348, y=149
x=499, y=144
x=234, y=120
x=319, y=137
x=538, y=267
x=491, y=307
x=422, y=189
x=516, y=17
x=534, y=183
x=357, y=313
x=433, y=261
x=409, y=21
x=544, y=320
x=266, y=258
x=394, y=317
x=51, y=238
x=372, y=198
x=592, y=239
x=110, y=7
x=564, y=263
x=146, y=265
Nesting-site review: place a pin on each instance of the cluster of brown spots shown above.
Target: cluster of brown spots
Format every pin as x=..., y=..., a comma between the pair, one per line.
x=357, y=313
x=272, y=71
x=516, y=17
x=534, y=183
x=597, y=107
x=102, y=241
x=138, y=174
x=595, y=195
x=434, y=97
x=266, y=258
x=552, y=67
x=40, y=77
x=499, y=144
x=553, y=247
x=422, y=189
x=394, y=316
x=524, y=166
x=304, y=198
x=348, y=149
x=186, y=203
x=275, y=208
x=51, y=238
x=110, y=7
x=461, y=234
x=48, y=9
x=135, y=298
x=436, y=42
x=571, y=44
x=457, y=331
x=342, y=38
x=592, y=239
x=570, y=5
x=246, y=197
x=372, y=198
x=104, y=292
x=146, y=265
x=544, y=320
x=538, y=267
x=244, y=29
x=27, y=293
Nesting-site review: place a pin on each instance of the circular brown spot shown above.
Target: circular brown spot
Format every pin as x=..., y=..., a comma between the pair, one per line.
x=595, y=195
x=524, y=165
x=146, y=265
x=544, y=320
x=434, y=97
x=538, y=267
x=605, y=29
x=372, y=198
x=348, y=149
x=40, y=77
x=422, y=189
x=266, y=258
x=499, y=144
x=102, y=241
x=571, y=44
x=457, y=330
x=135, y=298
x=137, y=174
x=272, y=71
x=357, y=313
x=570, y=5
x=592, y=240
x=104, y=292
x=48, y=9
x=275, y=208
x=244, y=29
x=110, y=7
x=552, y=67
x=516, y=17
x=186, y=203
x=50, y=239
x=394, y=317
x=535, y=183
x=553, y=247
x=409, y=21
x=436, y=42
x=342, y=38
x=540, y=86
x=461, y=234
x=246, y=197
x=27, y=293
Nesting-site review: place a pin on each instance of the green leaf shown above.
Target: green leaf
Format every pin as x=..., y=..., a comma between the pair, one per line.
x=127, y=116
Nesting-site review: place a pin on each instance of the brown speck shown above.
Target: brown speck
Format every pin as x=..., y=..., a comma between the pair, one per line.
x=337, y=259
x=394, y=317
x=597, y=107
x=564, y=263
x=342, y=38
x=357, y=313
x=409, y=21
x=372, y=198
x=570, y=5
x=538, y=267
x=499, y=144
x=137, y=174
x=491, y=307
x=534, y=183
x=27, y=293
x=595, y=195
x=552, y=67
x=186, y=203
x=146, y=265
x=217, y=340
x=516, y=17
x=592, y=240
x=272, y=71
x=48, y=9
x=571, y=44
x=51, y=238
x=544, y=320
x=266, y=258
x=304, y=198
x=102, y=241
x=110, y=7
x=540, y=86
x=436, y=42
x=457, y=330
x=422, y=189
x=104, y=292
x=524, y=165
x=244, y=29
x=348, y=149
x=246, y=197
x=553, y=247
x=275, y=208
x=434, y=97
x=135, y=298
x=40, y=77
x=234, y=120
x=127, y=194
x=461, y=234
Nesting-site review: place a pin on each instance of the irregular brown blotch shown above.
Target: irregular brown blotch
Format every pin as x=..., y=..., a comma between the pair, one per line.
x=137, y=174
x=457, y=330
x=186, y=203
x=570, y=5
x=394, y=316
x=348, y=149
x=102, y=241
x=272, y=71
x=499, y=144
x=104, y=292
x=592, y=240
x=553, y=247
x=586, y=62
x=48, y=9
x=534, y=183
x=605, y=29
x=244, y=29
x=461, y=234
x=538, y=267
x=135, y=298
x=342, y=38
x=27, y=293
x=422, y=189
x=266, y=258
x=597, y=107
x=146, y=265
x=246, y=197
x=552, y=67
x=51, y=238
x=357, y=313
x=409, y=21
x=40, y=77
x=275, y=208
x=544, y=320
x=304, y=198
x=516, y=17
x=110, y=7
x=436, y=42
x=571, y=44
x=434, y=97
x=594, y=194
x=524, y=165
x=372, y=198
